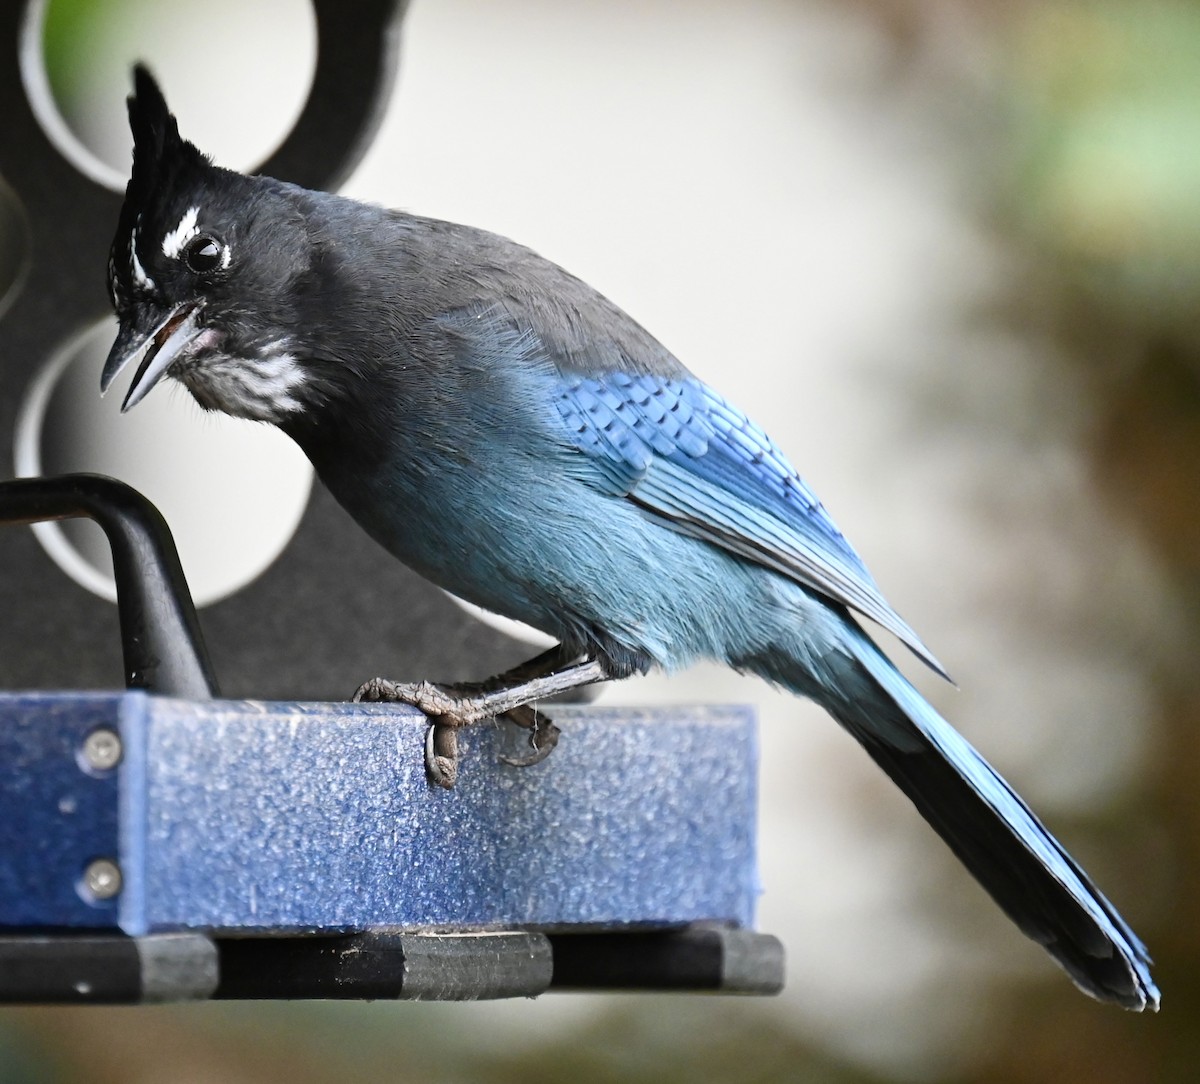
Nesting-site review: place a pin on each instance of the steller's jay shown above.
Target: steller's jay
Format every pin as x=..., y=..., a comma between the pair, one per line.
x=515, y=437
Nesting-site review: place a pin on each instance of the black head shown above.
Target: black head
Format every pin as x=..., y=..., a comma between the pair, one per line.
x=204, y=274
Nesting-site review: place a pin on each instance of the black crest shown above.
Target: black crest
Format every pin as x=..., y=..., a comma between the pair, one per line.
x=156, y=138
x=161, y=162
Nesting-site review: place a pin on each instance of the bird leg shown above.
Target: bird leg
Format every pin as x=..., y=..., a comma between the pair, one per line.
x=458, y=709
x=554, y=658
x=508, y=695
x=557, y=659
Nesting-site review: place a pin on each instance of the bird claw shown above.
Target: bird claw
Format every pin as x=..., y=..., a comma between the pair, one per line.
x=543, y=736
x=441, y=755
x=376, y=690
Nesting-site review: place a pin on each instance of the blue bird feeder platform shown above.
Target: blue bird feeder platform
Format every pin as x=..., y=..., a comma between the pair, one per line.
x=165, y=847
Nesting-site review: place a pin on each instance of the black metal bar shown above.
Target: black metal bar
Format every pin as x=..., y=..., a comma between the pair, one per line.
x=383, y=964
x=87, y=969
x=74, y=968
x=725, y=960
x=69, y=969
x=163, y=647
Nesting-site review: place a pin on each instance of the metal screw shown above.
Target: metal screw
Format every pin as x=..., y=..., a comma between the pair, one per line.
x=102, y=879
x=102, y=749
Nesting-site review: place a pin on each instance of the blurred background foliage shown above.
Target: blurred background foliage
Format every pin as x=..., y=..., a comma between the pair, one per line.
x=1077, y=126
x=1107, y=151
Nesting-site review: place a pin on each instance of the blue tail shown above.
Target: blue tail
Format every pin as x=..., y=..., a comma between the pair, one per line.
x=992, y=831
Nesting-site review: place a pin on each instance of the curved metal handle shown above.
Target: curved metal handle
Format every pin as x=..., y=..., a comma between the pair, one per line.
x=160, y=633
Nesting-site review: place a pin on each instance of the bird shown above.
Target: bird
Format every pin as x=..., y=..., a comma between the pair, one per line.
x=512, y=435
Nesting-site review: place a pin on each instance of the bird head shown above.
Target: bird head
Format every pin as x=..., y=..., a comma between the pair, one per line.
x=204, y=274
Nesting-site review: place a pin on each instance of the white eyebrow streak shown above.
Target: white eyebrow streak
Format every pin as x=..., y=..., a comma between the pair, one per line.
x=173, y=243
x=140, y=277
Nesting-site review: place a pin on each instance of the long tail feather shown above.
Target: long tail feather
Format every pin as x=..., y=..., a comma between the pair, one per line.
x=984, y=822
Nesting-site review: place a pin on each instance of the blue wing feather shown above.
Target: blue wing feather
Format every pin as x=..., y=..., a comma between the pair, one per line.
x=682, y=453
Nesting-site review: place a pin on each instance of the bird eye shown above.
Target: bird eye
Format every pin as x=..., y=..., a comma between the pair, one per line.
x=203, y=254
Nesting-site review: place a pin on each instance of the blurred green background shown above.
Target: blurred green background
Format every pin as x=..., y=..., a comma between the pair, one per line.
x=958, y=250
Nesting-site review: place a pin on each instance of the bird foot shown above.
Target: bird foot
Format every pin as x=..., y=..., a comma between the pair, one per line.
x=448, y=712
x=437, y=702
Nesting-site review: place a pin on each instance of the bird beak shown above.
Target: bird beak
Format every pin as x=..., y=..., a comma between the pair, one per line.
x=154, y=352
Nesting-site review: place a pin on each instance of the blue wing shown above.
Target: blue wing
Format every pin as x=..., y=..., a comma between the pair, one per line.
x=683, y=454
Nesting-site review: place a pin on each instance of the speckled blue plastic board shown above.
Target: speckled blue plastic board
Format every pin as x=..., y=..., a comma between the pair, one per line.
x=235, y=815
